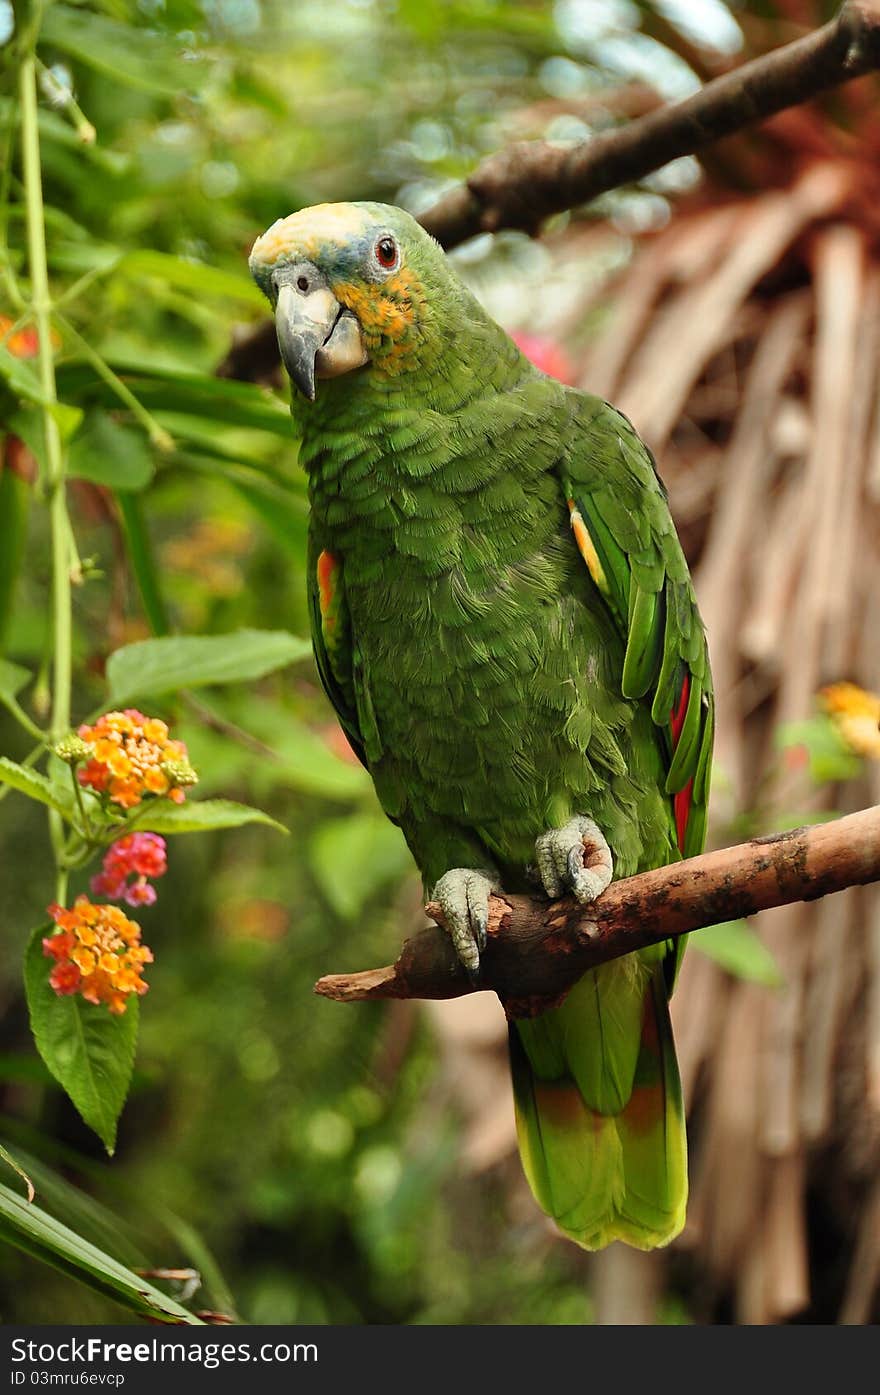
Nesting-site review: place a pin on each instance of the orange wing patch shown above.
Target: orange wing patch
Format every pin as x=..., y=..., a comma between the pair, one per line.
x=328, y=570
x=586, y=547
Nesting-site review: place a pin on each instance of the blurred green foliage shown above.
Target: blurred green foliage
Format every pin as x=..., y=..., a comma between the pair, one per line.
x=301, y=1155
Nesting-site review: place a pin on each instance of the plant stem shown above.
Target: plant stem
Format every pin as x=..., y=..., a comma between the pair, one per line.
x=23, y=719
x=59, y=521
x=160, y=438
x=80, y=804
x=83, y=282
x=68, y=104
x=8, y=274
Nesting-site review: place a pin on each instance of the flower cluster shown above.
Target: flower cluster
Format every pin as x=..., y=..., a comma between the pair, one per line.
x=137, y=855
x=98, y=954
x=856, y=714
x=23, y=343
x=128, y=756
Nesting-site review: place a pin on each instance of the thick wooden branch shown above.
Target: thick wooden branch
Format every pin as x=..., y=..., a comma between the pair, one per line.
x=537, y=949
x=522, y=186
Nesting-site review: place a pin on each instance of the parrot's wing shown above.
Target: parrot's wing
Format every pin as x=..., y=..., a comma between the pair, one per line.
x=600, y=1117
x=624, y=530
x=332, y=641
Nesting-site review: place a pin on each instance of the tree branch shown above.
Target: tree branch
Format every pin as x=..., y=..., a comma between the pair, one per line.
x=537, y=949
x=522, y=186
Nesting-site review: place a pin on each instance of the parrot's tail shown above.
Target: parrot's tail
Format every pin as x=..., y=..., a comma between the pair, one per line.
x=599, y=1111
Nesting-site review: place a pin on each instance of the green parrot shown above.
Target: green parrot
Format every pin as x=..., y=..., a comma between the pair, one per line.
x=505, y=624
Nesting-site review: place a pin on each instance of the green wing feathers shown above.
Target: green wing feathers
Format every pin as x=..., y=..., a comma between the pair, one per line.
x=600, y=1118
x=622, y=525
x=599, y=1112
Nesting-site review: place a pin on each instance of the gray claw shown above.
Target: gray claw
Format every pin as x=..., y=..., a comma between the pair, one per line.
x=574, y=858
x=463, y=895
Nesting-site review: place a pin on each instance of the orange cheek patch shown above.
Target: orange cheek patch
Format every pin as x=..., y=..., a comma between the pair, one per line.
x=386, y=312
x=378, y=312
x=358, y=300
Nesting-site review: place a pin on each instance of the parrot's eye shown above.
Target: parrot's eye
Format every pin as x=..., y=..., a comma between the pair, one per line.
x=386, y=253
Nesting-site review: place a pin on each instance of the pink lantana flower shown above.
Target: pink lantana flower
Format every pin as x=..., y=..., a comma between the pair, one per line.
x=137, y=855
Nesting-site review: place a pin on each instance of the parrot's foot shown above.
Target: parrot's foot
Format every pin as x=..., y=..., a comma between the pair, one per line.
x=575, y=858
x=463, y=896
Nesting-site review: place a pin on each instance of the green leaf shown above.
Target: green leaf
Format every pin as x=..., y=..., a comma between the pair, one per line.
x=88, y=1049
x=188, y=661
x=163, y=390
x=68, y=419
x=192, y=1245
x=12, y=679
x=143, y=562
x=81, y=1211
x=304, y=758
x=281, y=510
x=15, y=503
x=829, y=757
x=137, y=58
x=355, y=857
x=194, y=276
x=34, y=785
x=21, y=378
x=27, y=423
x=37, y=1233
x=121, y=1234
x=735, y=946
x=109, y=453
x=202, y=815
x=16, y=1167
x=20, y=1068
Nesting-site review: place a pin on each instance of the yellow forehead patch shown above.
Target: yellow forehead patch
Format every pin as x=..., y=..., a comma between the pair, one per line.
x=309, y=230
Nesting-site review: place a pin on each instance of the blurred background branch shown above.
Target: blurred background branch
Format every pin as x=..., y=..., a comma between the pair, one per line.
x=523, y=185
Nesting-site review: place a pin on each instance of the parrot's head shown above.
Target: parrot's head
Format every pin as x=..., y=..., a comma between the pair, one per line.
x=350, y=284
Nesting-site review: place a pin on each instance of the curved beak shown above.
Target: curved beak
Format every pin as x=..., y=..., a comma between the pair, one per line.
x=317, y=337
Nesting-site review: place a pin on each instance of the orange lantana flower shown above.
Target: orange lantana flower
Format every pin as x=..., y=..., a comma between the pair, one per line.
x=128, y=756
x=856, y=714
x=98, y=954
x=24, y=343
